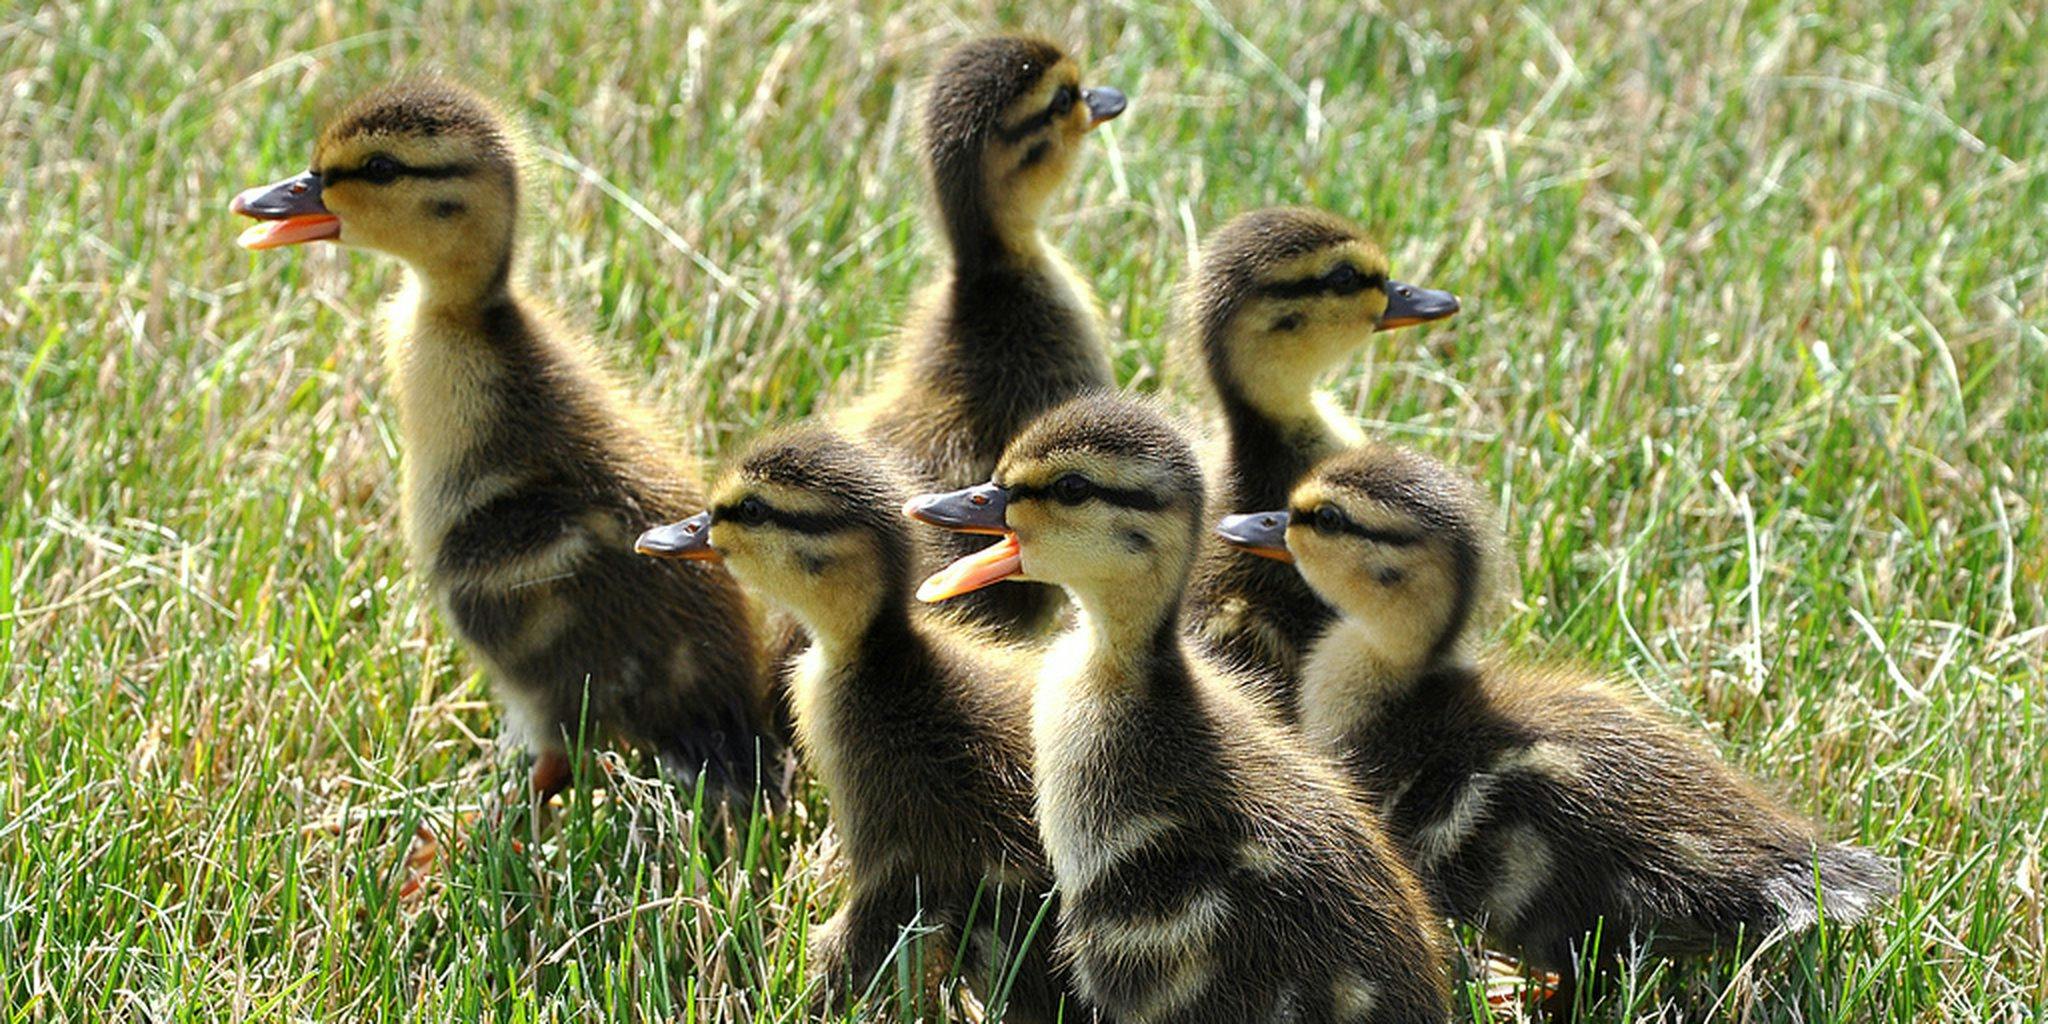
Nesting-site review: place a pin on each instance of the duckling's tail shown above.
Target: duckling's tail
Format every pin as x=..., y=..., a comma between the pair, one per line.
x=1843, y=883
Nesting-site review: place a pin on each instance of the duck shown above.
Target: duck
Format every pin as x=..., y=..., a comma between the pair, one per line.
x=1540, y=803
x=1009, y=329
x=1211, y=866
x=527, y=469
x=921, y=736
x=1279, y=298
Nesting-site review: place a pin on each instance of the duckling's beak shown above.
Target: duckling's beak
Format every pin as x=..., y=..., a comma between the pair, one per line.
x=291, y=212
x=1103, y=103
x=972, y=510
x=1409, y=304
x=1261, y=533
x=978, y=509
x=689, y=539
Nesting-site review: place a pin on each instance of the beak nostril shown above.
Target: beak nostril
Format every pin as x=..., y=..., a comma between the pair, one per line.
x=979, y=499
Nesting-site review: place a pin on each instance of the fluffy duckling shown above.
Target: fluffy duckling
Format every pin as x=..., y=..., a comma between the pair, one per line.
x=1280, y=297
x=1536, y=802
x=527, y=471
x=923, y=741
x=1010, y=330
x=1210, y=866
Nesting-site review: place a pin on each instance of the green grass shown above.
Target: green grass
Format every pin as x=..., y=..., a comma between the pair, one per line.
x=1753, y=354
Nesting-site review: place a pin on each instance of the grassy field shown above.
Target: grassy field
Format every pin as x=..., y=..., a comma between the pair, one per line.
x=1753, y=355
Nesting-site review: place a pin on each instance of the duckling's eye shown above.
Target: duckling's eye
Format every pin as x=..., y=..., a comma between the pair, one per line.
x=751, y=511
x=1344, y=279
x=1072, y=489
x=1063, y=100
x=1329, y=520
x=379, y=170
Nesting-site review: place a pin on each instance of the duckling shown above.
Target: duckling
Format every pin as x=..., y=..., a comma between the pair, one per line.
x=1010, y=330
x=1211, y=867
x=1538, y=804
x=922, y=738
x=527, y=471
x=1280, y=297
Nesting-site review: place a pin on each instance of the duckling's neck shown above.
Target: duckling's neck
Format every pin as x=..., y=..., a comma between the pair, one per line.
x=458, y=292
x=1127, y=631
x=1357, y=669
x=984, y=240
x=1272, y=444
x=845, y=627
x=448, y=361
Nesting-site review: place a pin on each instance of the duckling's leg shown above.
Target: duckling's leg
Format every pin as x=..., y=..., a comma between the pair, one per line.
x=550, y=775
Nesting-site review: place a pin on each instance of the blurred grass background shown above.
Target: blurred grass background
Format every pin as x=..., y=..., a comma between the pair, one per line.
x=1753, y=354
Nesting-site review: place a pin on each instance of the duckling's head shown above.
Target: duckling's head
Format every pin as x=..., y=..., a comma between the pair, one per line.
x=1101, y=495
x=1396, y=541
x=807, y=519
x=1282, y=295
x=1004, y=119
x=422, y=170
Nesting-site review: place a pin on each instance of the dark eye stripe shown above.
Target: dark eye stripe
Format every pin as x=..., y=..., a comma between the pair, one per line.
x=1391, y=538
x=1025, y=127
x=1123, y=497
x=1319, y=285
x=431, y=172
x=800, y=522
x=1036, y=121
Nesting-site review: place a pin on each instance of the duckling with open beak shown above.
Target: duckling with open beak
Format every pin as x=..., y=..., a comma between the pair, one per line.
x=1211, y=867
x=527, y=469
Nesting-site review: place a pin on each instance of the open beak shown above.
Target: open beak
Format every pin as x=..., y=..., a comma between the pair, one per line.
x=1261, y=533
x=291, y=212
x=1103, y=103
x=1409, y=304
x=690, y=539
x=972, y=510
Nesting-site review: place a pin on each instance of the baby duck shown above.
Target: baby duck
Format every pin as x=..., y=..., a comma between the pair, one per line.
x=527, y=471
x=923, y=740
x=1280, y=297
x=1210, y=866
x=1010, y=330
x=1537, y=803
